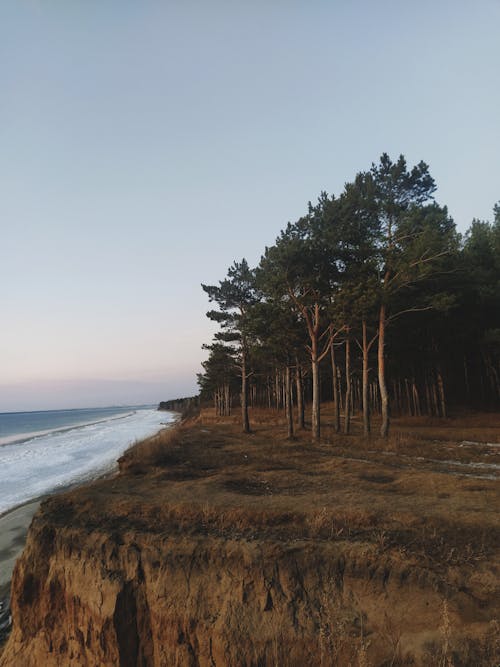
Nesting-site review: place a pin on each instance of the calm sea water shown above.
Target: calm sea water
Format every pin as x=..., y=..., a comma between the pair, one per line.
x=43, y=451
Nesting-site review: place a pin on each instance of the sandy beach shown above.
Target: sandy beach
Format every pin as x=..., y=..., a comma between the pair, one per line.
x=14, y=526
x=13, y=529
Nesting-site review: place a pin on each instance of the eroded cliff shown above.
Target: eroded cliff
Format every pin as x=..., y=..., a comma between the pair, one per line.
x=209, y=549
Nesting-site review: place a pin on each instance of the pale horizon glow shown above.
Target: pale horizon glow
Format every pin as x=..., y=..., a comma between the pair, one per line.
x=146, y=146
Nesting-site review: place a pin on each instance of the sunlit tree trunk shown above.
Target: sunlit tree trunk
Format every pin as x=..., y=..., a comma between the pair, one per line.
x=315, y=418
x=288, y=402
x=335, y=384
x=244, y=400
x=348, y=387
x=416, y=398
x=384, y=398
x=300, y=394
x=366, y=402
x=442, y=399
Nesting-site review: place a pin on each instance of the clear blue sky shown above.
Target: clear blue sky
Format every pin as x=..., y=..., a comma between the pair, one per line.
x=145, y=146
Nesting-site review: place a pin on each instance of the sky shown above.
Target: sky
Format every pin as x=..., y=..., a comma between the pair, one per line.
x=146, y=146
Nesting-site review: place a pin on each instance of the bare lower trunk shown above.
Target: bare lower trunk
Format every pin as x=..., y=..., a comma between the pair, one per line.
x=384, y=398
x=347, y=406
x=277, y=389
x=366, y=402
x=315, y=400
x=283, y=389
x=336, y=403
x=428, y=399
x=244, y=402
x=435, y=398
x=442, y=400
x=466, y=379
x=416, y=398
x=408, y=398
x=339, y=391
x=495, y=379
x=288, y=402
x=300, y=394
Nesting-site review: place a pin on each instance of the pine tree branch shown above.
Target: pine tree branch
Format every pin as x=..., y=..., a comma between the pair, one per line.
x=407, y=310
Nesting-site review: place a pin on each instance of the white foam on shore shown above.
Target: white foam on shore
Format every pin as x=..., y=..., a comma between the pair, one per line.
x=42, y=464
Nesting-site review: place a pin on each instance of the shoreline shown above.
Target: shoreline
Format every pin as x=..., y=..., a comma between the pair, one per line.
x=15, y=521
x=14, y=525
x=90, y=453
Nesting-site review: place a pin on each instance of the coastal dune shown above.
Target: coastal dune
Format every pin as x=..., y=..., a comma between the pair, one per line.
x=213, y=549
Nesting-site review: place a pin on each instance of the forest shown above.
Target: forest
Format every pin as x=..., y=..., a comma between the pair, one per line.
x=371, y=300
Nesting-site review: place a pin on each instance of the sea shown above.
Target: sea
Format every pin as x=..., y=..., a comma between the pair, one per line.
x=41, y=452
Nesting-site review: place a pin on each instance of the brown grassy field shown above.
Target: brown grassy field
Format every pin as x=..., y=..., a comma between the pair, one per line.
x=414, y=518
x=429, y=475
x=427, y=496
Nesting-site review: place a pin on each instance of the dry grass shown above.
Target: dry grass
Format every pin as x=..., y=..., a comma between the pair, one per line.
x=211, y=479
x=396, y=515
x=154, y=451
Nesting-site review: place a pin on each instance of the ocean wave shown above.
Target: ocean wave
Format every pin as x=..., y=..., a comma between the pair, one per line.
x=18, y=438
x=39, y=465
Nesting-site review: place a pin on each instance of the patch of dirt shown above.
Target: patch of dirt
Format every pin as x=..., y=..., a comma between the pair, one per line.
x=378, y=479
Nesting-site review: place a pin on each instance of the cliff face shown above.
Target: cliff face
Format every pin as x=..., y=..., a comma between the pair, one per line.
x=140, y=600
x=143, y=570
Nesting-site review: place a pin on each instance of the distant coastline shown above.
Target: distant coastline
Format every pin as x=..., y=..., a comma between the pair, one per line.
x=187, y=406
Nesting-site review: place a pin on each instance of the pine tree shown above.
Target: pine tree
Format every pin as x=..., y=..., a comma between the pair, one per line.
x=234, y=296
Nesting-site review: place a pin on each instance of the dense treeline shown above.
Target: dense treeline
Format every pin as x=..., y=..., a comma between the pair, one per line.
x=371, y=299
x=186, y=406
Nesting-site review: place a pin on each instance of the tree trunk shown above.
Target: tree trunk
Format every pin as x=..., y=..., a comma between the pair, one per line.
x=408, y=398
x=277, y=389
x=428, y=397
x=288, y=402
x=466, y=379
x=395, y=406
x=495, y=380
x=244, y=404
x=366, y=402
x=315, y=398
x=440, y=385
x=339, y=391
x=300, y=394
x=336, y=404
x=356, y=401
x=348, y=389
x=434, y=398
x=283, y=389
x=416, y=398
x=384, y=398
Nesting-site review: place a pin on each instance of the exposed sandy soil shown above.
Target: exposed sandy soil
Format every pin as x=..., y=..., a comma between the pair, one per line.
x=13, y=529
x=411, y=522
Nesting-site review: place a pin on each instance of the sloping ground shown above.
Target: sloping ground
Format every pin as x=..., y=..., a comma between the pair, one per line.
x=214, y=548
